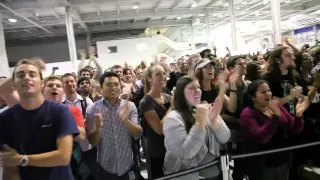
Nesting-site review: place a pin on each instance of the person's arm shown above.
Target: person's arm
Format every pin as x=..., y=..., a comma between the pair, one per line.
x=66, y=130
x=11, y=173
x=77, y=114
x=151, y=116
x=98, y=71
x=59, y=157
x=293, y=124
x=222, y=133
x=256, y=132
x=7, y=93
x=132, y=124
x=93, y=129
x=285, y=99
x=82, y=64
x=178, y=141
x=312, y=92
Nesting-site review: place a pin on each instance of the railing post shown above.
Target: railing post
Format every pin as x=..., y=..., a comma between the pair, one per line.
x=224, y=161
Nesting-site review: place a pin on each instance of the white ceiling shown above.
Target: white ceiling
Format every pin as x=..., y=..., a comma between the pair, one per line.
x=38, y=18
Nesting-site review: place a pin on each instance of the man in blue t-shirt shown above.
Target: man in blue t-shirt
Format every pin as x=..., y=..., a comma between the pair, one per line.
x=36, y=135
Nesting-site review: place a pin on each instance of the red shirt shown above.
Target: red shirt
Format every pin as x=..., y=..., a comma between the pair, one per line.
x=77, y=115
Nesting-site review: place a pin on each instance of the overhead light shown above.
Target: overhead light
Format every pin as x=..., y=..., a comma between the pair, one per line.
x=244, y=2
x=178, y=17
x=220, y=15
x=214, y=14
x=201, y=15
x=12, y=20
x=317, y=12
x=287, y=1
x=265, y=2
x=257, y=13
x=226, y=5
x=135, y=6
x=194, y=4
x=37, y=14
x=237, y=7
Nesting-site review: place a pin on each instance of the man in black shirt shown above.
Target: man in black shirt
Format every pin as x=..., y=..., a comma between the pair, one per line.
x=280, y=77
x=174, y=76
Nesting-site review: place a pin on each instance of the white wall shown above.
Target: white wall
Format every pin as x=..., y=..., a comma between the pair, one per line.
x=127, y=51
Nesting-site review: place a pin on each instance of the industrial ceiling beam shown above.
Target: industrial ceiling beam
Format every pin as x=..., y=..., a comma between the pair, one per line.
x=79, y=20
x=176, y=4
x=27, y=19
x=54, y=13
x=157, y=6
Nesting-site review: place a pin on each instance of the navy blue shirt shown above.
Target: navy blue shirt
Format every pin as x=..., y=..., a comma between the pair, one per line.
x=35, y=132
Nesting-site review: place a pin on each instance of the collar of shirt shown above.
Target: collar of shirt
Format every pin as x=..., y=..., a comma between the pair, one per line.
x=78, y=98
x=107, y=101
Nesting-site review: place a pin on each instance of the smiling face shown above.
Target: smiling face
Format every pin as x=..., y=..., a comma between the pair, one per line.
x=84, y=86
x=69, y=84
x=158, y=77
x=193, y=93
x=53, y=90
x=287, y=59
x=208, y=72
x=263, y=95
x=27, y=81
x=111, y=87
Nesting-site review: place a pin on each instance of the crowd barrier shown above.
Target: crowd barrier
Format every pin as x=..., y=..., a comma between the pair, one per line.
x=224, y=161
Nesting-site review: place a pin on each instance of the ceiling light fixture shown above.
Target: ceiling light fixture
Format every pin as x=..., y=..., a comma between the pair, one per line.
x=178, y=17
x=245, y=2
x=265, y=2
x=220, y=15
x=287, y=1
x=237, y=7
x=226, y=5
x=257, y=13
x=12, y=20
x=36, y=14
x=135, y=6
x=201, y=15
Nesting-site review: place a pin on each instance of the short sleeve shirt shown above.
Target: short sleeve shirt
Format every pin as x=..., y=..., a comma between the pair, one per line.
x=35, y=132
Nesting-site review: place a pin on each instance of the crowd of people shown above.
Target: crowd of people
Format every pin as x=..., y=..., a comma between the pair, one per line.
x=92, y=125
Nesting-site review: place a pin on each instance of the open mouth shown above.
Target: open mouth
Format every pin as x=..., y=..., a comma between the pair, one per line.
x=54, y=93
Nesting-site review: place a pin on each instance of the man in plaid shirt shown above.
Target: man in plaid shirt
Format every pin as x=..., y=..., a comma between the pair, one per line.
x=111, y=122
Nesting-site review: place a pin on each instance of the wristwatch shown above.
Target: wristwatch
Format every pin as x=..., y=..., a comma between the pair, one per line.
x=24, y=161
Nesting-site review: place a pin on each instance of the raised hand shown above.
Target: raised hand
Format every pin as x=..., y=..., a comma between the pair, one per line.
x=99, y=121
x=296, y=92
x=301, y=107
x=202, y=113
x=214, y=110
x=274, y=106
x=124, y=112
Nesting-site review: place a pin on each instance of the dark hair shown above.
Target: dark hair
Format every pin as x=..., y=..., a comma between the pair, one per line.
x=83, y=79
x=84, y=70
x=275, y=60
x=180, y=102
x=68, y=75
x=251, y=92
x=252, y=71
x=106, y=75
x=199, y=75
x=203, y=53
x=125, y=70
x=232, y=61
